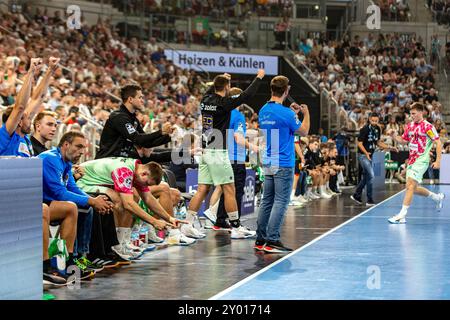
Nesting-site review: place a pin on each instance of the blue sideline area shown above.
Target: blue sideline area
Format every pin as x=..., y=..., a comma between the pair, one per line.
x=365, y=258
x=20, y=229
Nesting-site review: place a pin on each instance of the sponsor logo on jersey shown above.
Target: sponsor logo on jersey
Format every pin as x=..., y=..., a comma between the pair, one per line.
x=130, y=128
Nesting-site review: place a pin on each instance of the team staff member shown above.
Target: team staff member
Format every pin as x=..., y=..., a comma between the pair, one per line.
x=215, y=167
x=122, y=131
x=278, y=124
x=368, y=140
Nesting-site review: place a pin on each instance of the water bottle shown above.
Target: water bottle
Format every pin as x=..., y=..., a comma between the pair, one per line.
x=135, y=239
x=181, y=213
x=143, y=234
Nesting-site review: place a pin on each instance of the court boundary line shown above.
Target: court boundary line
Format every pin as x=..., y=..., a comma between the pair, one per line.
x=251, y=277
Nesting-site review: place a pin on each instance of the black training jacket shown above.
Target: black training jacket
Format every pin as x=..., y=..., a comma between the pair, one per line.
x=122, y=132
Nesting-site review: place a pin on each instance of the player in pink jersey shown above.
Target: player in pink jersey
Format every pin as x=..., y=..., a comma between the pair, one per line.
x=420, y=136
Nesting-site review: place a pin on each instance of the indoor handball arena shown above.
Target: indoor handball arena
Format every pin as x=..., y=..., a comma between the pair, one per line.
x=236, y=150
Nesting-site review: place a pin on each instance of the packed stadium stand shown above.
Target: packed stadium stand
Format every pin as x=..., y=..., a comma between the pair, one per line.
x=127, y=50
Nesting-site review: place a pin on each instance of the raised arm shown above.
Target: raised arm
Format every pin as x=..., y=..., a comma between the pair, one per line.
x=304, y=128
x=230, y=103
x=23, y=96
x=41, y=89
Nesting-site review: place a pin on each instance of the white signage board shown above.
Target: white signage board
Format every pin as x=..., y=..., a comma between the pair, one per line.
x=219, y=62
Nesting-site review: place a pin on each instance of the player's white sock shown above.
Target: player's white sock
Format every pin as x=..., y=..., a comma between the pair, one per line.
x=292, y=194
x=213, y=208
x=190, y=216
x=404, y=210
x=435, y=197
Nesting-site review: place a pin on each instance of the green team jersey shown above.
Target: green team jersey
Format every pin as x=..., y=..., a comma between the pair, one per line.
x=114, y=173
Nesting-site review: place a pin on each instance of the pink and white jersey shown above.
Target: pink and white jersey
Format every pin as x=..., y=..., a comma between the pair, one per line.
x=420, y=137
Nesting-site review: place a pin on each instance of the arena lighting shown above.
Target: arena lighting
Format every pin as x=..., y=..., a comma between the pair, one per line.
x=316, y=7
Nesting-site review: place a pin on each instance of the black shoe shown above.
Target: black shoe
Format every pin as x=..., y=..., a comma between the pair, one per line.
x=356, y=199
x=81, y=271
x=276, y=247
x=115, y=257
x=91, y=266
x=105, y=262
x=53, y=277
x=259, y=245
x=221, y=226
x=370, y=203
x=85, y=274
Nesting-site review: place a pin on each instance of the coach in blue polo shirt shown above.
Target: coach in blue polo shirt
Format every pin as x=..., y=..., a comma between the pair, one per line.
x=278, y=125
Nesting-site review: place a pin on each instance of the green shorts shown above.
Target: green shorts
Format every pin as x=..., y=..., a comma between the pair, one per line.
x=91, y=189
x=416, y=170
x=215, y=168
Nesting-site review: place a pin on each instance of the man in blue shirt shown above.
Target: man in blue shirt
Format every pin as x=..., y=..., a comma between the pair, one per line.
x=278, y=125
x=19, y=143
x=63, y=196
x=12, y=117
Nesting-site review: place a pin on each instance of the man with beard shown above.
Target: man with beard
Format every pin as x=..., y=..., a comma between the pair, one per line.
x=63, y=197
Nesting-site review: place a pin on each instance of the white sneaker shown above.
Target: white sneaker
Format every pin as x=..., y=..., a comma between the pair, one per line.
x=242, y=233
x=176, y=238
x=118, y=249
x=310, y=196
x=302, y=199
x=189, y=231
x=152, y=236
x=440, y=203
x=146, y=247
x=132, y=247
x=397, y=219
x=133, y=251
x=324, y=195
x=314, y=195
x=210, y=215
x=295, y=203
x=330, y=192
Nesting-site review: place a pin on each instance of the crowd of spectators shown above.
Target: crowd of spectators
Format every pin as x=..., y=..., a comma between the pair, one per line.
x=215, y=9
x=394, y=10
x=383, y=74
x=98, y=62
x=440, y=10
